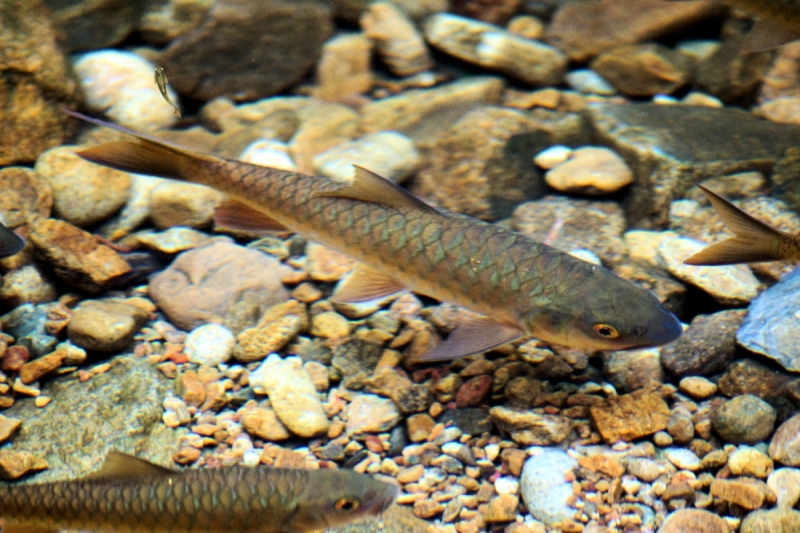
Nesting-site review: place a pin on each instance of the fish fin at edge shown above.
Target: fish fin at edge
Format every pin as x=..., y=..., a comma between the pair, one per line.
x=237, y=215
x=365, y=284
x=14, y=527
x=472, y=336
x=10, y=242
x=118, y=465
x=368, y=186
x=754, y=241
x=767, y=35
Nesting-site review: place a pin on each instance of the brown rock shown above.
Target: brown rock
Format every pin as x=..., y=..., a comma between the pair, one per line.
x=630, y=417
x=583, y=30
x=785, y=445
x=15, y=464
x=186, y=456
x=427, y=508
x=94, y=24
x=289, y=459
x=513, y=460
x=605, y=464
x=528, y=428
x=325, y=264
x=419, y=427
x=105, y=325
x=747, y=492
x=77, y=257
x=216, y=397
x=14, y=358
x=644, y=69
x=264, y=424
x=174, y=203
x=193, y=390
x=279, y=325
x=218, y=281
x=501, y=509
x=393, y=383
x=33, y=370
x=491, y=11
x=25, y=193
x=8, y=426
x=474, y=392
x=37, y=81
x=694, y=521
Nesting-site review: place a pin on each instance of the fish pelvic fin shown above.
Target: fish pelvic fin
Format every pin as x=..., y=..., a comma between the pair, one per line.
x=754, y=241
x=473, y=335
x=118, y=465
x=365, y=284
x=232, y=214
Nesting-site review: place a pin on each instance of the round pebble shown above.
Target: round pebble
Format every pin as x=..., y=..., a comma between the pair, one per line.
x=698, y=387
x=693, y=521
x=785, y=445
x=744, y=419
x=785, y=483
x=210, y=344
x=590, y=170
x=552, y=157
x=543, y=487
x=747, y=461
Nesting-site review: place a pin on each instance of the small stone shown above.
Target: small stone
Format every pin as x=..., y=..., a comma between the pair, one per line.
x=368, y=413
x=264, y=424
x=662, y=439
x=683, y=459
x=785, y=445
x=210, y=344
x=330, y=325
x=588, y=81
x=394, y=383
x=318, y=374
x=172, y=240
x=32, y=371
x=27, y=284
x=14, y=464
x=708, y=346
x=14, y=358
x=552, y=157
x=632, y=370
x=694, y=521
x=747, y=461
x=544, y=487
x=398, y=43
x=771, y=521
x=193, y=390
x=747, y=492
x=342, y=72
x=186, y=455
x=698, y=387
x=744, y=419
x=275, y=330
x=292, y=395
x=326, y=265
x=474, y=391
x=427, y=508
x=528, y=428
x=42, y=401
x=175, y=203
x=644, y=69
x=105, y=325
x=503, y=508
x=389, y=154
x=419, y=427
x=631, y=416
x=730, y=285
x=785, y=483
x=411, y=474
x=680, y=426
x=590, y=170
x=8, y=426
x=645, y=469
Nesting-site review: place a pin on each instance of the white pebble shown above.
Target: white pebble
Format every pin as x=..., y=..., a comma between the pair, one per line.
x=492, y=451
x=210, y=344
x=251, y=458
x=552, y=157
x=268, y=153
x=506, y=485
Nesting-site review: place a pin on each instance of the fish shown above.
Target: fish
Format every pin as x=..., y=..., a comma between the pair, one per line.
x=10, y=242
x=755, y=240
x=161, y=82
x=516, y=287
x=131, y=495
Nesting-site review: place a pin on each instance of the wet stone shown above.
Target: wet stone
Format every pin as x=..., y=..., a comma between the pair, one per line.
x=785, y=483
x=472, y=421
x=356, y=360
x=388, y=154
x=264, y=424
x=695, y=520
x=630, y=416
x=590, y=170
x=277, y=327
x=8, y=426
x=544, y=488
x=643, y=69
x=394, y=384
x=785, y=445
x=732, y=73
x=528, y=428
x=368, y=413
x=771, y=521
x=707, y=347
x=748, y=376
x=399, y=45
x=34, y=370
x=343, y=71
x=105, y=325
x=747, y=461
x=27, y=324
x=174, y=203
x=210, y=344
x=15, y=464
x=744, y=419
x=747, y=492
x=631, y=370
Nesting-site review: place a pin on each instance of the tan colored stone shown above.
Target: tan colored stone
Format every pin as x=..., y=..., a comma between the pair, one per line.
x=590, y=170
x=501, y=509
x=192, y=389
x=746, y=492
x=694, y=521
x=33, y=370
x=419, y=427
x=8, y=426
x=630, y=417
x=174, y=203
x=14, y=464
x=105, y=325
x=399, y=45
x=264, y=424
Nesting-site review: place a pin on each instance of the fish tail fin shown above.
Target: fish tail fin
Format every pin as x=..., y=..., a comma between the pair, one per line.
x=754, y=241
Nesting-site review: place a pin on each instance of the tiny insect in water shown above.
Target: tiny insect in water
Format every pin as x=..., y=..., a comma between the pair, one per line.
x=161, y=82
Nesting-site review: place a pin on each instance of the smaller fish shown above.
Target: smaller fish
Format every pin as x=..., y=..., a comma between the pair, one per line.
x=161, y=81
x=10, y=242
x=754, y=241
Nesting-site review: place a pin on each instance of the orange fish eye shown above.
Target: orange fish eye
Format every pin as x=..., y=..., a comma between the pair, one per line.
x=346, y=504
x=604, y=330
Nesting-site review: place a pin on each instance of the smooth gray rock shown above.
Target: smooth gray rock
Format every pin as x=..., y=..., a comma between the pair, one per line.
x=543, y=487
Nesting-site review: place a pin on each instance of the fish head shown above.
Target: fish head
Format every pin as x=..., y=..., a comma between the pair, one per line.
x=338, y=497
x=607, y=313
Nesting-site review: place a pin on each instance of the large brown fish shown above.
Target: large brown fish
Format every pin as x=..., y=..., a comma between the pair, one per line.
x=754, y=241
x=519, y=286
x=130, y=495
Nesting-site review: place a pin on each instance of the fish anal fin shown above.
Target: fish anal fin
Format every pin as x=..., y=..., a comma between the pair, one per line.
x=473, y=335
x=766, y=35
x=118, y=465
x=368, y=186
x=365, y=284
x=15, y=527
x=236, y=215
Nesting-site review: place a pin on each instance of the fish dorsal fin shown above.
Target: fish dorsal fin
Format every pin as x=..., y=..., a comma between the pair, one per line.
x=755, y=241
x=373, y=188
x=119, y=465
x=236, y=215
x=766, y=35
x=365, y=284
x=473, y=335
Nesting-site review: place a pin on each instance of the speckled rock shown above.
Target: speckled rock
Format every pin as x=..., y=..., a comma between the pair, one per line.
x=528, y=428
x=28, y=325
x=8, y=426
x=83, y=193
x=489, y=46
x=398, y=42
x=747, y=461
x=744, y=419
x=785, y=445
x=26, y=194
x=322, y=125
x=694, y=521
x=356, y=360
x=631, y=370
x=27, y=284
x=218, y=281
x=210, y=344
x=325, y=264
x=276, y=328
x=263, y=423
x=707, y=347
x=590, y=170
x=729, y=285
x=105, y=325
x=76, y=256
x=220, y=57
x=748, y=376
x=644, y=69
x=683, y=459
x=544, y=488
x=697, y=387
x=388, y=154
x=393, y=383
x=172, y=240
x=368, y=413
x=771, y=320
x=630, y=417
x=121, y=85
x=292, y=395
x=175, y=203
x=747, y=492
x=771, y=521
x=14, y=464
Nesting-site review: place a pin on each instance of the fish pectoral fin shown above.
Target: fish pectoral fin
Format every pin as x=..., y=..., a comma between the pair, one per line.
x=368, y=186
x=14, y=527
x=236, y=215
x=766, y=35
x=476, y=334
x=119, y=465
x=365, y=284
x=754, y=241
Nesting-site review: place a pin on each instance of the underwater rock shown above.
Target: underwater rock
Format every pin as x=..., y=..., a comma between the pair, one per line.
x=590, y=170
x=744, y=419
x=569, y=224
x=93, y=24
x=785, y=483
x=644, y=69
x=210, y=344
x=343, y=71
x=135, y=211
x=771, y=325
x=164, y=21
x=746, y=492
x=390, y=154
x=695, y=520
x=174, y=203
x=84, y=193
x=27, y=284
x=120, y=84
x=120, y=410
x=492, y=47
x=170, y=241
x=105, y=325
x=369, y=413
x=707, y=347
x=37, y=83
x=630, y=416
x=671, y=147
x=630, y=370
x=747, y=461
x=544, y=488
x=532, y=429
x=322, y=126
x=771, y=521
x=588, y=81
x=585, y=29
x=397, y=41
x=480, y=165
x=220, y=57
x=27, y=324
x=785, y=445
x=25, y=193
x=732, y=73
x=218, y=281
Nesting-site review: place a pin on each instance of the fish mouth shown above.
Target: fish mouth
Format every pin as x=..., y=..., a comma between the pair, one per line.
x=670, y=329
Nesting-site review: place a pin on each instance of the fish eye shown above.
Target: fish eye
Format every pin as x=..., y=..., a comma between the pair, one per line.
x=604, y=330
x=346, y=504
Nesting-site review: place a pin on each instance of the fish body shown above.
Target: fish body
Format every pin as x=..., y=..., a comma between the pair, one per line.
x=10, y=242
x=518, y=286
x=129, y=495
x=754, y=241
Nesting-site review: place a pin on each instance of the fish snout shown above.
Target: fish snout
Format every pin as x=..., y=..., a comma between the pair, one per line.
x=663, y=331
